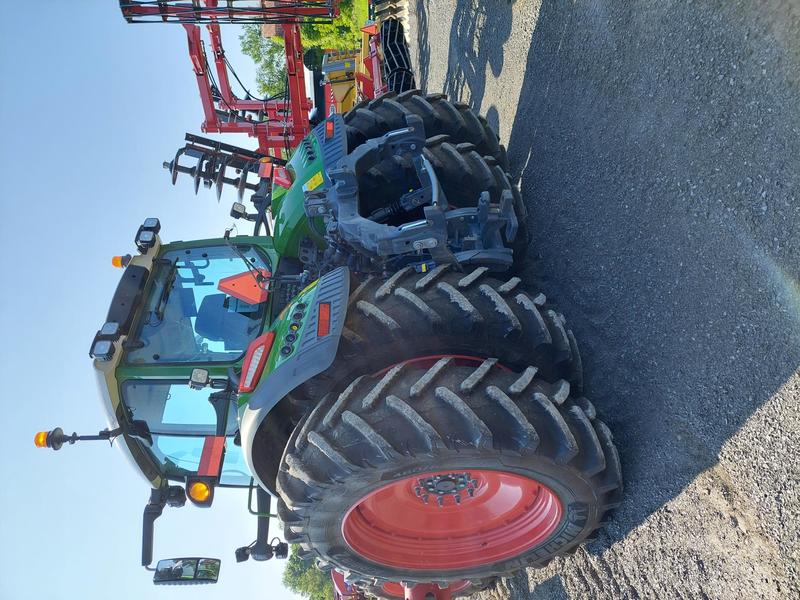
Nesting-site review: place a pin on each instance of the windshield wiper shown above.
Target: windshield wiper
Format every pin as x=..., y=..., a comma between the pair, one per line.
x=161, y=307
x=261, y=281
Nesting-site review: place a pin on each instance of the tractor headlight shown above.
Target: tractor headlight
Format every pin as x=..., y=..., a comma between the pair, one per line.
x=145, y=240
x=103, y=343
x=102, y=350
x=146, y=235
x=152, y=224
x=110, y=329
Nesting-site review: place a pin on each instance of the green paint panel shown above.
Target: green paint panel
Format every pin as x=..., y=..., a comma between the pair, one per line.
x=291, y=223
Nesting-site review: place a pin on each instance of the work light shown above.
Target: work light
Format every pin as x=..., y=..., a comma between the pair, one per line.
x=146, y=235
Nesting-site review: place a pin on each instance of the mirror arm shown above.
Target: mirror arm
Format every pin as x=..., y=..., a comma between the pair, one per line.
x=166, y=495
x=152, y=511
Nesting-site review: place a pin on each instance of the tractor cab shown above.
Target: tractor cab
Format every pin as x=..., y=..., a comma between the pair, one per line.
x=169, y=360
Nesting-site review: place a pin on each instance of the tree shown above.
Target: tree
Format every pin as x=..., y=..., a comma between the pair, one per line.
x=302, y=577
x=270, y=59
x=343, y=33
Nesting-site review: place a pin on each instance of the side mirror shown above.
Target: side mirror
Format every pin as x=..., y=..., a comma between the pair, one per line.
x=187, y=571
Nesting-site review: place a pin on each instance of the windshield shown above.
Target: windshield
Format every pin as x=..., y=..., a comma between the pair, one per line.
x=187, y=318
x=179, y=418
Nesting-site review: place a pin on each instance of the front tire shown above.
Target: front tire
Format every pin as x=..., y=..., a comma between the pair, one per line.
x=442, y=312
x=393, y=478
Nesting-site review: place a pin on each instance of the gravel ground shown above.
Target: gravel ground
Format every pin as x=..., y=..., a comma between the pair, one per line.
x=658, y=148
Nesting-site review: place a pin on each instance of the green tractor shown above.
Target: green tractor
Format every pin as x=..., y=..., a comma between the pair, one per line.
x=372, y=362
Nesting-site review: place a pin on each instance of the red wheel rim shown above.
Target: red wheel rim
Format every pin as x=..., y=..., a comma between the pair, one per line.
x=471, y=518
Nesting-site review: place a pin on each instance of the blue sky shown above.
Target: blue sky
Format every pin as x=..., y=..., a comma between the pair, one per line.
x=90, y=107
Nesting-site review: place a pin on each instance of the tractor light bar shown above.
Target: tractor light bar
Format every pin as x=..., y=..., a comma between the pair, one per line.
x=200, y=492
x=152, y=224
x=254, y=361
x=146, y=234
x=145, y=240
x=110, y=329
x=324, y=319
x=102, y=347
x=121, y=261
x=40, y=439
x=265, y=168
x=50, y=439
x=199, y=379
x=102, y=350
x=238, y=211
x=282, y=177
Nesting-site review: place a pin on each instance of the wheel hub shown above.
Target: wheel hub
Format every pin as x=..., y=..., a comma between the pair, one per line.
x=446, y=485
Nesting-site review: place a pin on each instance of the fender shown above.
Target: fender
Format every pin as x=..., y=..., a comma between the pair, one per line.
x=314, y=353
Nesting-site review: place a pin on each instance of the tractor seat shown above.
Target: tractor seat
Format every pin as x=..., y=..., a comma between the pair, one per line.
x=218, y=324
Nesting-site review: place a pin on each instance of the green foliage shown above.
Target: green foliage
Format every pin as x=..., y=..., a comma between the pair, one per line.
x=344, y=33
x=270, y=59
x=305, y=579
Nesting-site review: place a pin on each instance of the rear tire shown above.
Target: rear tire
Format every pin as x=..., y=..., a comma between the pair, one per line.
x=462, y=172
x=347, y=477
x=476, y=149
x=374, y=118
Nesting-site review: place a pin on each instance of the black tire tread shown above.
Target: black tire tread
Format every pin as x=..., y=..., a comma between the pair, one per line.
x=374, y=118
x=384, y=317
x=399, y=429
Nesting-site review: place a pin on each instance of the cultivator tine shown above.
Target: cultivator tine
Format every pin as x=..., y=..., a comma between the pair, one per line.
x=213, y=160
x=172, y=166
x=197, y=172
x=220, y=178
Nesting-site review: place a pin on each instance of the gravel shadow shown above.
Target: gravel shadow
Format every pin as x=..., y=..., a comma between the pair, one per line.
x=659, y=152
x=467, y=62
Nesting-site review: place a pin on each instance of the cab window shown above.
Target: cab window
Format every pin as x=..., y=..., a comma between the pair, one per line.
x=186, y=318
x=179, y=419
x=173, y=408
x=181, y=456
